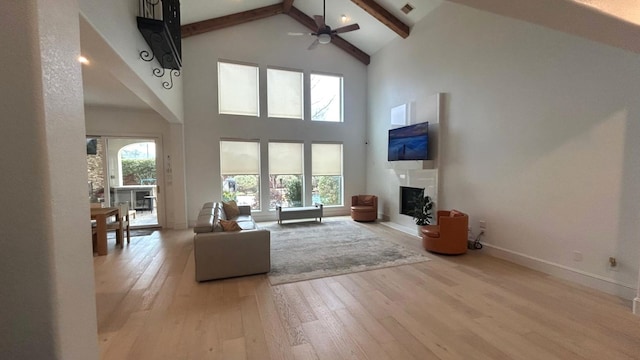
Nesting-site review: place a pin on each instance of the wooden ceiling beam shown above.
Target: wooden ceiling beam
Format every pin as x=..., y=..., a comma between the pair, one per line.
x=286, y=6
x=343, y=44
x=384, y=16
x=230, y=20
x=302, y=18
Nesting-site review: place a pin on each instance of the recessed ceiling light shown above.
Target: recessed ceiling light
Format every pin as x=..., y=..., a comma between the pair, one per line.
x=83, y=60
x=344, y=18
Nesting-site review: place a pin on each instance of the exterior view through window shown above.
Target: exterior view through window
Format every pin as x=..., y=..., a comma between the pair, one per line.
x=326, y=98
x=240, y=170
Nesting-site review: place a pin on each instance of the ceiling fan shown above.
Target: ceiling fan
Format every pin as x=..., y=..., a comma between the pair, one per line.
x=324, y=34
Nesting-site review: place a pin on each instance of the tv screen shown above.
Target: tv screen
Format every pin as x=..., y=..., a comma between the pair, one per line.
x=408, y=142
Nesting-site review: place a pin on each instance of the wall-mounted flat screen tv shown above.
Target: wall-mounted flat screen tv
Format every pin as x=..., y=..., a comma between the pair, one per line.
x=409, y=142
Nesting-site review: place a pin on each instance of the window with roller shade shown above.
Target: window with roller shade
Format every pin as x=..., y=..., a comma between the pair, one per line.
x=240, y=170
x=326, y=174
x=238, y=89
x=286, y=168
x=284, y=94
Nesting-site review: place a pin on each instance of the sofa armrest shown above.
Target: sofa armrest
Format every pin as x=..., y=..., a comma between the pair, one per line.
x=244, y=209
x=227, y=254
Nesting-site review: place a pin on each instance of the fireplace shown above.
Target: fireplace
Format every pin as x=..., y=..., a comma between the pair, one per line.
x=407, y=198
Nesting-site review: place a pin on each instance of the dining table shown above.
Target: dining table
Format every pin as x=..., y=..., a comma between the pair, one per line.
x=100, y=215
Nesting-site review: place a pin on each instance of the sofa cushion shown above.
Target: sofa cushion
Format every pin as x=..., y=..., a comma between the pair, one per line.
x=432, y=231
x=243, y=218
x=363, y=208
x=230, y=225
x=247, y=225
x=204, y=224
x=231, y=209
x=217, y=226
x=207, y=205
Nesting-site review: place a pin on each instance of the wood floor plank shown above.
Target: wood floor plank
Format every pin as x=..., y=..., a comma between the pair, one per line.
x=462, y=307
x=290, y=320
x=274, y=331
x=346, y=346
x=255, y=342
x=304, y=352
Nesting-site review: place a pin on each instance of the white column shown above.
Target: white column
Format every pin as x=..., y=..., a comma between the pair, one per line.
x=47, y=305
x=175, y=176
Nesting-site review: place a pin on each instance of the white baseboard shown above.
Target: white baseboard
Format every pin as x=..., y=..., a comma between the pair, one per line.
x=594, y=281
x=636, y=306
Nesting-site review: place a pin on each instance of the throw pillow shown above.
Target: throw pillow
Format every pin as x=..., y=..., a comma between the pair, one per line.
x=230, y=225
x=231, y=209
x=455, y=213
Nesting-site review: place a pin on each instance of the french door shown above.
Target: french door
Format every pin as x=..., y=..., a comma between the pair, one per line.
x=125, y=170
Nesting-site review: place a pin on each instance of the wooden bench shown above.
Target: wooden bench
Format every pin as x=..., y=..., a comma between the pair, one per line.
x=294, y=213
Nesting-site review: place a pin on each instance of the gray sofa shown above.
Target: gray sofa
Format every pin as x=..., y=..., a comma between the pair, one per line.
x=219, y=254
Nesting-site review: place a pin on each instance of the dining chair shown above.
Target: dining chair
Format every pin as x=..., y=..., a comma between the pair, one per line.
x=121, y=224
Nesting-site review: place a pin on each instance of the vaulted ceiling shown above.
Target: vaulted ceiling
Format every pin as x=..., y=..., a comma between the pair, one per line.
x=380, y=21
x=612, y=22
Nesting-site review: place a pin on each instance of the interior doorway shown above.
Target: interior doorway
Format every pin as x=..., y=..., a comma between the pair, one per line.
x=125, y=170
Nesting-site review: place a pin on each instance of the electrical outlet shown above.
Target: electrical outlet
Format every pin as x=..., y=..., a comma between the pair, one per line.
x=483, y=225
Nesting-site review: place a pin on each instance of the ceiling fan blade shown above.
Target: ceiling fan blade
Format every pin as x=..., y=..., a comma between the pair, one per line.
x=313, y=45
x=347, y=28
x=319, y=21
x=299, y=33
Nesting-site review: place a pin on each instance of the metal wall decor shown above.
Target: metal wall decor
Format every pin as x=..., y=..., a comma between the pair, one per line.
x=159, y=24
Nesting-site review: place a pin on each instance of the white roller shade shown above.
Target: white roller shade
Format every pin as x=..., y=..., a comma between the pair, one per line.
x=285, y=159
x=238, y=89
x=284, y=94
x=239, y=158
x=326, y=159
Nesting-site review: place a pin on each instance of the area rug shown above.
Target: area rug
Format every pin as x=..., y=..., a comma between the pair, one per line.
x=134, y=233
x=310, y=250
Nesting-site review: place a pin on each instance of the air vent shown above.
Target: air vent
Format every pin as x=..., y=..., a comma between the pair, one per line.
x=407, y=8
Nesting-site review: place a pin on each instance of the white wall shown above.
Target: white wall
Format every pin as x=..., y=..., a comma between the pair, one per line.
x=47, y=304
x=109, y=121
x=111, y=38
x=266, y=43
x=540, y=138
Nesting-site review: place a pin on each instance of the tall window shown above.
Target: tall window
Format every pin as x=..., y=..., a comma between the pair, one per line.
x=284, y=94
x=238, y=89
x=326, y=98
x=240, y=169
x=326, y=169
x=286, y=174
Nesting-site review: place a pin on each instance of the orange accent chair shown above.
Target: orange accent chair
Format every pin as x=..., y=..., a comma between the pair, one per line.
x=364, y=207
x=449, y=236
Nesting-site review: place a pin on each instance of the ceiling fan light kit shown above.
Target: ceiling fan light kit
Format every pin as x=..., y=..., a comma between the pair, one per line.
x=324, y=38
x=323, y=33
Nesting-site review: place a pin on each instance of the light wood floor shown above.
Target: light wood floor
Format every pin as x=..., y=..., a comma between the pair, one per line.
x=466, y=307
